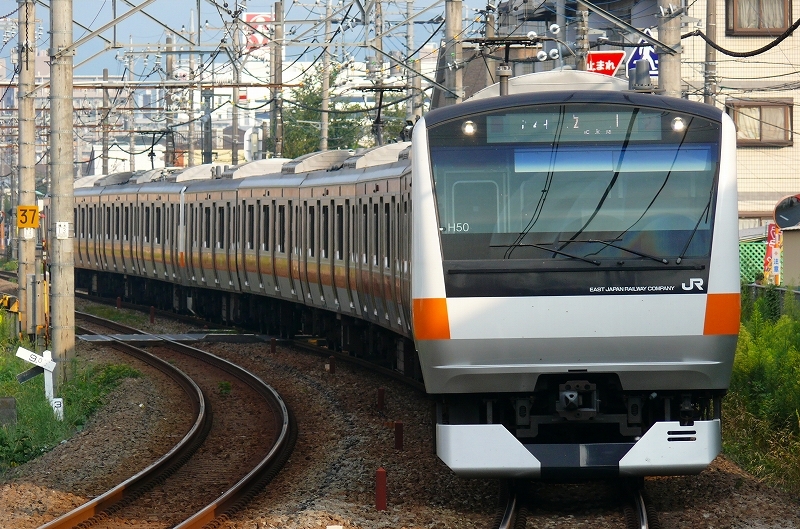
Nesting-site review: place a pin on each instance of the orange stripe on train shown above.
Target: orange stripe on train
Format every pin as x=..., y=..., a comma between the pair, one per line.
x=430, y=319
x=722, y=314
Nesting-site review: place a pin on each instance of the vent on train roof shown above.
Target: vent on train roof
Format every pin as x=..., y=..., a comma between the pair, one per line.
x=382, y=155
x=315, y=161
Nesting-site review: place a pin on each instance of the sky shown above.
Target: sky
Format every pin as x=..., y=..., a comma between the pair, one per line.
x=181, y=15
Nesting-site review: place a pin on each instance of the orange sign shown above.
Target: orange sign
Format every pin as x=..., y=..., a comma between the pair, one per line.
x=27, y=216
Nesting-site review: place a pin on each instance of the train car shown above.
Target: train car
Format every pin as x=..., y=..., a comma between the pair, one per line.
x=558, y=266
x=575, y=281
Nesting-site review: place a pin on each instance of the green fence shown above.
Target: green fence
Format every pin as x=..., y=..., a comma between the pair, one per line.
x=751, y=259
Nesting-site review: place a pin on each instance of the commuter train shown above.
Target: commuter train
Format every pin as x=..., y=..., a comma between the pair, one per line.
x=559, y=266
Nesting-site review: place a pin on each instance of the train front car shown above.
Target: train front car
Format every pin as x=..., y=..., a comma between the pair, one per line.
x=576, y=283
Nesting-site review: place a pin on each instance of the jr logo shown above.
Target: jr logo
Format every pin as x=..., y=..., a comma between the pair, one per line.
x=693, y=282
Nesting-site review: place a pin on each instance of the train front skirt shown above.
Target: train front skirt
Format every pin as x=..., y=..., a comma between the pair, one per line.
x=491, y=451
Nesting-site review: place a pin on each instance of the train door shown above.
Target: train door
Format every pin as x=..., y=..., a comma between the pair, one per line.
x=283, y=249
x=209, y=277
x=248, y=267
x=296, y=242
x=116, y=240
x=326, y=282
x=389, y=260
x=125, y=237
x=157, y=240
x=367, y=258
x=104, y=235
x=136, y=234
x=340, y=257
x=181, y=237
x=80, y=234
x=170, y=253
x=378, y=259
x=405, y=256
x=312, y=257
x=233, y=244
x=192, y=276
x=265, y=246
x=219, y=248
x=354, y=268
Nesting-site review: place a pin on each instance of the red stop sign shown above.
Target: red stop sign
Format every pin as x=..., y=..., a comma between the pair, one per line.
x=604, y=62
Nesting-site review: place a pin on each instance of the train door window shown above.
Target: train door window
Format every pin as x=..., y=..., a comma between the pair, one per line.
x=281, y=229
x=251, y=226
x=294, y=230
x=157, y=234
x=126, y=212
x=406, y=232
x=116, y=223
x=171, y=220
x=375, y=234
x=83, y=223
x=107, y=224
x=220, y=227
x=232, y=227
x=207, y=227
x=387, y=234
x=146, y=224
x=91, y=221
x=339, y=233
x=365, y=234
x=323, y=234
x=265, y=227
x=311, y=231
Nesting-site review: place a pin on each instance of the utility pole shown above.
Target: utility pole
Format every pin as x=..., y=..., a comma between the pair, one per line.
x=278, y=72
x=710, y=88
x=453, y=77
x=409, y=73
x=488, y=25
x=669, y=64
x=326, y=81
x=26, y=182
x=235, y=55
x=104, y=133
x=131, y=123
x=192, y=132
x=582, y=47
x=169, y=151
x=62, y=270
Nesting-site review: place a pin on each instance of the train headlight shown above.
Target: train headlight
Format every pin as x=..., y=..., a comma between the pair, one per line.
x=469, y=128
x=678, y=124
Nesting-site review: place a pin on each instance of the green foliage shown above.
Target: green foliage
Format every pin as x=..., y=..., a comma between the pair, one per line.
x=224, y=388
x=762, y=409
x=37, y=430
x=8, y=266
x=126, y=317
x=350, y=126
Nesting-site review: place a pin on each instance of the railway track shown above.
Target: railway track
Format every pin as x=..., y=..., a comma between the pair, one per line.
x=219, y=465
x=517, y=505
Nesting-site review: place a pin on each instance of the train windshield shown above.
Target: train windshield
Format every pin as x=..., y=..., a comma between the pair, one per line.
x=576, y=181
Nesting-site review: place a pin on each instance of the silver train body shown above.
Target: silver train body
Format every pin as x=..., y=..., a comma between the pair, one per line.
x=566, y=283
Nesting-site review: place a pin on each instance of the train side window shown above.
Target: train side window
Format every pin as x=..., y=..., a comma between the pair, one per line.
x=251, y=226
x=83, y=223
x=339, y=232
x=220, y=227
x=324, y=252
x=294, y=236
x=116, y=222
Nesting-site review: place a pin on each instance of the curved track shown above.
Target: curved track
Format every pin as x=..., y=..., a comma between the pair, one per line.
x=218, y=467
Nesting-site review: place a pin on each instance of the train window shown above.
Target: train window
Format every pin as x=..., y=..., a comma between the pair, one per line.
x=220, y=227
x=294, y=224
x=365, y=235
x=339, y=232
x=324, y=236
x=265, y=224
x=126, y=223
x=157, y=234
x=375, y=234
x=387, y=233
x=251, y=226
x=311, y=231
x=207, y=227
x=281, y=229
x=107, y=232
x=116, y=223
x=83, y=223
x=146, y=224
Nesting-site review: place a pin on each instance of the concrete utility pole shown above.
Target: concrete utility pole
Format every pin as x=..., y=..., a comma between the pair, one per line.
x=169, y=151
x=27, y=152
x=710, y=88
x=192, y=132
x=235, y=56
x=410, y=62
x=326, y=81
x=60, y=229
x=278, y=73
x=488, y=25
x=453, y=77
x=106, y=112
x=582, y=48
x=669, y=64
x=131, y=125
